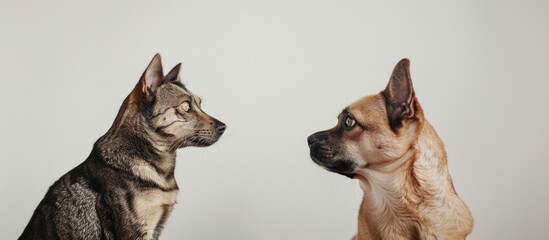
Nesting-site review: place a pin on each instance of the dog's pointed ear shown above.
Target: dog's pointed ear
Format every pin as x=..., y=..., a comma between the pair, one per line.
x=399, y=94
x=152, y=77
x=173, y=75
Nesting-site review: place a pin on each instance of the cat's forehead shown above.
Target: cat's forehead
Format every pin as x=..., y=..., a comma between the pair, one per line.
x=174, y=94
x=194, y=97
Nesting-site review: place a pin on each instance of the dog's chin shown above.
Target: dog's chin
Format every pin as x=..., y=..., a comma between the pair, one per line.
x=349, y=175
x=342, y=167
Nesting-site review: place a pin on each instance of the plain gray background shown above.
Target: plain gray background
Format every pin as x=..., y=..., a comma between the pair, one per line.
x=275, y=72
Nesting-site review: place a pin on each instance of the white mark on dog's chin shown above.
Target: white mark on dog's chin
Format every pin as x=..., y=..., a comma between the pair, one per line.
x=354, y=155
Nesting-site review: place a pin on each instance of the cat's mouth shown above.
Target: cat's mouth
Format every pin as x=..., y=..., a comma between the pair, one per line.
x=200, y=141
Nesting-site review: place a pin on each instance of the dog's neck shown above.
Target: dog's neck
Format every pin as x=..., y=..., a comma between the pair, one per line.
x=414, y=189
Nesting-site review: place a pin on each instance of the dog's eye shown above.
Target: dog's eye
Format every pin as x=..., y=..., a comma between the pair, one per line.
x=349, y=122
x=186, y=106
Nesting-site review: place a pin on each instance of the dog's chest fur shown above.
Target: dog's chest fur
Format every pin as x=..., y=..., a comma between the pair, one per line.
x=416, y=200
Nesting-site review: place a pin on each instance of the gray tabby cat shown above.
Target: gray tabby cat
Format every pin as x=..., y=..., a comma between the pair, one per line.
x=126, y=188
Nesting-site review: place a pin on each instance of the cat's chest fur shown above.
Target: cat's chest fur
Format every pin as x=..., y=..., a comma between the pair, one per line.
x=152, y=206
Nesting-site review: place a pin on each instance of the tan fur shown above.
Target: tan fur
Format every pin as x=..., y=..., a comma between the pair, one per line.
x=151, y=205
x=402, y=168
x=408, y=191
x=144, y=171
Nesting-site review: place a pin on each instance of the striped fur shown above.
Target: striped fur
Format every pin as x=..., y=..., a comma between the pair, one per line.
x=126, y=188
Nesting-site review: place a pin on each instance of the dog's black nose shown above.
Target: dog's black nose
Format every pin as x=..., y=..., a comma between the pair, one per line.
x=311, y=139
x=317, y=137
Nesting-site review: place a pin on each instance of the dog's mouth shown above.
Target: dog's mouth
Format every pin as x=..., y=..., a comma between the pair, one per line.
x=330, y=158
x=346, y=174
x=342, y=167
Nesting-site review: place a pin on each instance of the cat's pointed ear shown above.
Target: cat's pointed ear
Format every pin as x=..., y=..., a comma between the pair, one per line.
x=399, y=94
x=173, y=75
x=152, y=77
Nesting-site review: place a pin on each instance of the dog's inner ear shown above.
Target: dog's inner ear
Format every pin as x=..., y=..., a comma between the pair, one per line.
x=152, y=77
x=173, y=75
x=399, y=94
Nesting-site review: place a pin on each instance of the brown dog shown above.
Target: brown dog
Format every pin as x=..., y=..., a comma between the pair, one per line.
x=385, y=142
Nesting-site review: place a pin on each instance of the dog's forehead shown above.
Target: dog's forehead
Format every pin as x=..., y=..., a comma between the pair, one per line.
x=370, y=108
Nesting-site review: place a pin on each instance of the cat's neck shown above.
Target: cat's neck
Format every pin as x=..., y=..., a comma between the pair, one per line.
x=134, y=144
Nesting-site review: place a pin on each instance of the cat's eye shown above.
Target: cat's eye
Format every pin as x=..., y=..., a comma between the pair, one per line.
x=186, y=106
x=349, y=122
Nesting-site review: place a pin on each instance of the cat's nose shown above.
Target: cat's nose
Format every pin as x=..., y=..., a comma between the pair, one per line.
x=220, y=126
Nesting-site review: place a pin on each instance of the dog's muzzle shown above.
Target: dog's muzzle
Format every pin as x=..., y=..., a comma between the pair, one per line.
x=318, y=151
x=317, y=137
x=326, y=156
